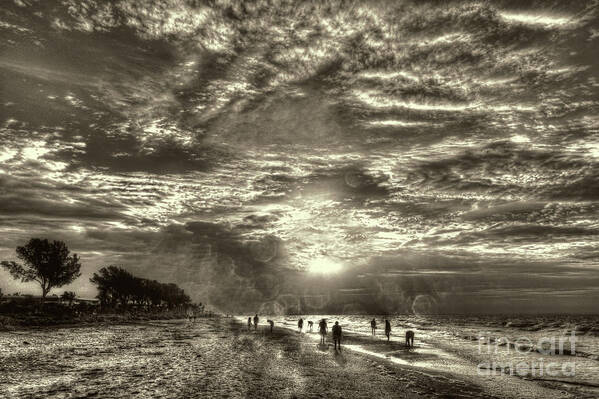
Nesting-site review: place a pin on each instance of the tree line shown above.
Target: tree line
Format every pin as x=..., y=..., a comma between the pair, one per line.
x=51, y=265
x=116, y=286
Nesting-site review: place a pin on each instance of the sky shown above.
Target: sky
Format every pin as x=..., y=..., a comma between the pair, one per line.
x=334, y=156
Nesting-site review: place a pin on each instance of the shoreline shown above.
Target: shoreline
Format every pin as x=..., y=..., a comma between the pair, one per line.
x=219, y=357
x=372, y=372
x=377, y=349
x=397, y=355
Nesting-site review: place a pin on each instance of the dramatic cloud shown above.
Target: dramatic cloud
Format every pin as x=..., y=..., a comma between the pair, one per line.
x=440, y=156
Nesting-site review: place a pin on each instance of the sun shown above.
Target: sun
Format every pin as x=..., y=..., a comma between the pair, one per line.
x=323, y=265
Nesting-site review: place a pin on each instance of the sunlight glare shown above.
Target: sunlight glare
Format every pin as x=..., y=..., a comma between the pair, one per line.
x=323, y=265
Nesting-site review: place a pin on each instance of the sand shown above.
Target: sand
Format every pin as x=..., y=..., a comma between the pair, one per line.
x=214, y=357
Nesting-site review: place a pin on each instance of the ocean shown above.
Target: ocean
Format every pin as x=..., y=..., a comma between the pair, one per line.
x=554, y=350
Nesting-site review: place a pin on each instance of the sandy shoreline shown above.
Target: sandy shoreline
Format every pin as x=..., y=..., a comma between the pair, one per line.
x=215, y=357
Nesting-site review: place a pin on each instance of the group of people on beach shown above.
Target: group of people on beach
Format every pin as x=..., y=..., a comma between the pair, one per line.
x=322, y=330
x=256, y=320
x=387, y=328
x=300, y=325
x=336, y=330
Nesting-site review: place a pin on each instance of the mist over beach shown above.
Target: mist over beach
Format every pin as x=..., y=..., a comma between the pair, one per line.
x=171, y=168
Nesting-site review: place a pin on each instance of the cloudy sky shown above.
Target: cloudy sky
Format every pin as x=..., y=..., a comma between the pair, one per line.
x=426, y=155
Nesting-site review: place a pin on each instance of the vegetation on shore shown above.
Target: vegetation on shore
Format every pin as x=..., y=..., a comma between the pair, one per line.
x=50, y=264
x=116, y=286
x=121, y=296
x=26, y=312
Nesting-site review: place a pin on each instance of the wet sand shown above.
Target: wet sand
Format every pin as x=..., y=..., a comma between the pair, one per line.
x=212, y=358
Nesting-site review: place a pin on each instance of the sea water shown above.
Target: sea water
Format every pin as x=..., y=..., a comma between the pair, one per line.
x=557, y=349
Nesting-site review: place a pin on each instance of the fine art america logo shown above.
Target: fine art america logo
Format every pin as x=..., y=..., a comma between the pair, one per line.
x=527, y=358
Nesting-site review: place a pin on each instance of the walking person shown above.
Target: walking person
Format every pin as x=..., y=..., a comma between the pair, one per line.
x=249, y=323
x=272, y=324
x=410, y=339
x=322, y=327
x=256, y=319
x=310, y=325
x=387, y=329
x=373, y=327
x=337, y=335
x=300, y=325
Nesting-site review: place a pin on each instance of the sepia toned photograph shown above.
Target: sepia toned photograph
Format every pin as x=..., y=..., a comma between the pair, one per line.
x=299, y=199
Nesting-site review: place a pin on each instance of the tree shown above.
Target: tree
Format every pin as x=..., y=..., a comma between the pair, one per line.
x=50, y=264
x=116, y=285
x=68, y=296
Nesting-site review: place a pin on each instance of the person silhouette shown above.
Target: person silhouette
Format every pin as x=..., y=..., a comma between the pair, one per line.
x=410, y=339
x=337, y=335
x=300, y=324
x=272, y=324
x=322, y=327
x=387, y=329
x=373, y=326
x=310, y=325
x=256, y=319
x=250, y=323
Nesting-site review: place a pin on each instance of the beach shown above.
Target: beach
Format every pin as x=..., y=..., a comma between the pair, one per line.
x=219, y=357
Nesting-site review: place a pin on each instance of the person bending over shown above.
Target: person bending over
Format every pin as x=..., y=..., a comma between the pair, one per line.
x=272, y=324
